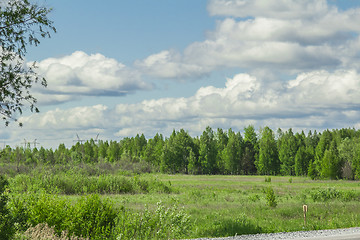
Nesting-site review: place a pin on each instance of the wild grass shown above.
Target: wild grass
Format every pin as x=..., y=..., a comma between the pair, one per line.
x=227, y=205
x=78, y=184
x=214, y=206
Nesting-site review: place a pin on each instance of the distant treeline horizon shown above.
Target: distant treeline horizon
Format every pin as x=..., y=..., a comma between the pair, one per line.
x=330, y=154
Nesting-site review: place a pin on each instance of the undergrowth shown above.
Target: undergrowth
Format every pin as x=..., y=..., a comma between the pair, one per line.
x=76, y=184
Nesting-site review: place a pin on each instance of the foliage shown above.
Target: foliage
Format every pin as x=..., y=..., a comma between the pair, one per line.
x=329, y=155
x=176, y=152
x=70, y=183
x=162, y=223
x=327, y=194
x=21, y=23
x=7, y=229
x=88, y=217
x=267, y=179
x=92, y=217
x=251, y=150
x=270, y=197
x=233, y=154
x=268, y=162
x=215, y=205
x=208, y=152
x=287, y=148
x=232, y=227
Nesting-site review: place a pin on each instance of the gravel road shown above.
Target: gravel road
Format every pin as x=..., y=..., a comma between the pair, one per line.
x=335, y=234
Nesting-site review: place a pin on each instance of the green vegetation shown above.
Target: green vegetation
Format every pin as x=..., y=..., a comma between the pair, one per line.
x=156, y=188
x=328, y=155
x=22, y=23
x=6, y=220
x=270, y=197
x=195, y=206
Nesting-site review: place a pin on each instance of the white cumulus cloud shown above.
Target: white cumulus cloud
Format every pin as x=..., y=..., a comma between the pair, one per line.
x=286, y=36
x=316, y=99
x=80, y=74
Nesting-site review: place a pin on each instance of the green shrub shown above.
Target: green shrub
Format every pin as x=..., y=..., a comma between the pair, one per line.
x=7, y=228
x=231, y=227
x=270, y=197
x=323, y=195
x=267, y=179
x=46, y=208
x=156, y=186
x=163, y=223
x=254, y=197
x=89, y=217
x=92, y=218
x=71, y=184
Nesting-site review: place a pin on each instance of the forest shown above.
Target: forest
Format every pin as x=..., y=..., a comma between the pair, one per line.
x=331, y=154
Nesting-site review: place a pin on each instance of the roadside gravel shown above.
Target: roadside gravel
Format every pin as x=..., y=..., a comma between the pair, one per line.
x=348, y=233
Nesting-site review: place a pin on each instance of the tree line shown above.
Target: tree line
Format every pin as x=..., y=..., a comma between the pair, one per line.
x=331, y=154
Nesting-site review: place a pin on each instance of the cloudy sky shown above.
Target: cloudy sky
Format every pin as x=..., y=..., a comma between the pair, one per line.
x=118, y=68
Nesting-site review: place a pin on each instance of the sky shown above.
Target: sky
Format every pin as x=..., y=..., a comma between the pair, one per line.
x=120, y=68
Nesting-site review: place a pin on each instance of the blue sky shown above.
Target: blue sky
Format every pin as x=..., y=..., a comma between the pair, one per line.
x=119, y=68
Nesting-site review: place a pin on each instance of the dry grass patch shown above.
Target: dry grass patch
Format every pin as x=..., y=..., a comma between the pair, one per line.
x=42, y=231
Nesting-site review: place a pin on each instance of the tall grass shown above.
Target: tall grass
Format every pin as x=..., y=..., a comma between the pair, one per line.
x=91, y=217
x=214, y=206
x=76, y=184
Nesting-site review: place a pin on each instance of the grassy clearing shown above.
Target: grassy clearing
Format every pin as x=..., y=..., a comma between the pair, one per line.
x=217, y=205
x=229, y=205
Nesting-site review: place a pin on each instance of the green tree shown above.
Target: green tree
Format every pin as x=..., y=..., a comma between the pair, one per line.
x=233, y=153
x=331, y=164
x=347, y=154
x=356, y=160
x=61, y=154
x=113, y=151
x=90, y=151
x=221, y=143
x=323, y=145
x=302, y=161
x=208, y=152
x=287, y=147
x=139, y=145
x=102, y=150
x=153, y=150
x=175, y=158
x=268, y=163
x=194, y=165
x=251, y=150
x=21, y=24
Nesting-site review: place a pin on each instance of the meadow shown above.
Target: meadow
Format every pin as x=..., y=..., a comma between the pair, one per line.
x=159, y=206
x=232, y=205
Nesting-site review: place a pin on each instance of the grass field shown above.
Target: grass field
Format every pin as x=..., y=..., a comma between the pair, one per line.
x=230, y=205
x=218, y=205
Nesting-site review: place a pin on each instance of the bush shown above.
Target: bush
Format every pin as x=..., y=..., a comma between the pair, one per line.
x=44, y=208
x=232, y=227
x=67, y=183
x=163, y=223
x=270, y=197
x=92, y=218
x=323, y=195
x=89, y=217
x=7, y=228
